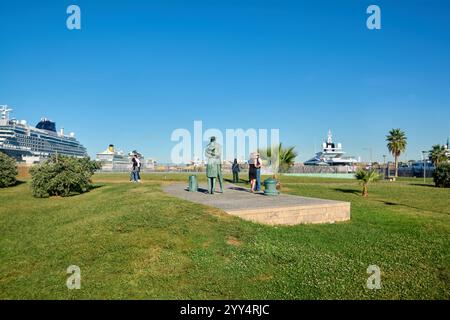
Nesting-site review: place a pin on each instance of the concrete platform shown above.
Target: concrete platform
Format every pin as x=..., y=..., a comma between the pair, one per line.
x=272, y=210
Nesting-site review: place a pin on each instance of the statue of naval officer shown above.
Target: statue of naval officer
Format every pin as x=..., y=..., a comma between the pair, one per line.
x=214, y=165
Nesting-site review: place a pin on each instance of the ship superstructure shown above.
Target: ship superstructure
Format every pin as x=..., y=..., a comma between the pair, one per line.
x=22, y=141
x=331, y=155
x=116, y=160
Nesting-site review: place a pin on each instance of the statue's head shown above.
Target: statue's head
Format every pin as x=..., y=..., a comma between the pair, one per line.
x=213, y=139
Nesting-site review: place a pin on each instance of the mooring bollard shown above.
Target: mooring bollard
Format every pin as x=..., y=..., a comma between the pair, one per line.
x=270, y=187
x=193, y=184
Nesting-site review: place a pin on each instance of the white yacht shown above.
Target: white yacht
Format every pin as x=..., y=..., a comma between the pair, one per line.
x=331, y=155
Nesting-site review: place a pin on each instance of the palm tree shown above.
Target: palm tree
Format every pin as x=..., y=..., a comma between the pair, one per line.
x=286, y=157
x=365, y=177
x=396, y=145
x=438, y=154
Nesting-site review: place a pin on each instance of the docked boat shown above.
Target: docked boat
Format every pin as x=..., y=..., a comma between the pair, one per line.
x=33, y=144
x=331, y=155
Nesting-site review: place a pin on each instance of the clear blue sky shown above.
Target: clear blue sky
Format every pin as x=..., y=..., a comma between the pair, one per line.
x=140, y=69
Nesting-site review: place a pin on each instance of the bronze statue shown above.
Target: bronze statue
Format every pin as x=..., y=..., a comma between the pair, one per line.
x=214, y=165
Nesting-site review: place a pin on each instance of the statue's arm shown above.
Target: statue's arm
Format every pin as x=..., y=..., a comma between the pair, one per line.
x=207, y=153
x=218, y=151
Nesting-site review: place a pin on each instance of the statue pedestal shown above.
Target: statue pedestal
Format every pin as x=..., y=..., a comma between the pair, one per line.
x=281, y=210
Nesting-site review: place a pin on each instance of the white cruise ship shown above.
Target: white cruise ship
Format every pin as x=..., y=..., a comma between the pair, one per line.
x=114, y=160
x=23, y=142
x=331, y=155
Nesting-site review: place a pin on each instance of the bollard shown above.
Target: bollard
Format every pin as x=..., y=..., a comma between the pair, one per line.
x=270, y=187
x=193, y=184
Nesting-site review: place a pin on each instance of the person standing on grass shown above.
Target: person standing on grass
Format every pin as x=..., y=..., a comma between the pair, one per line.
x=134, y=170
x=236, y=169
x=138, y=173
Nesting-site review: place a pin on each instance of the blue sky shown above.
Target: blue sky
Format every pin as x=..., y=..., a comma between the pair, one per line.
x=137, y=70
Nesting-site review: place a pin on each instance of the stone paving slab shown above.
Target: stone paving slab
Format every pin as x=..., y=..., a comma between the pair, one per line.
x=273, y=210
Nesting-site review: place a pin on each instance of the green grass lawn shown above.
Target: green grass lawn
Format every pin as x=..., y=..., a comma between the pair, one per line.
x=134, y=241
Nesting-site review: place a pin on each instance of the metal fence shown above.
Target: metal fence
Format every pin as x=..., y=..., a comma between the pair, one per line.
x=384, y=171
x=411, y=172
x=322, y=169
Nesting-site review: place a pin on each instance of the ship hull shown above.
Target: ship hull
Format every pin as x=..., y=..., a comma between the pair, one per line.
x=20, y=141
x=16, y=154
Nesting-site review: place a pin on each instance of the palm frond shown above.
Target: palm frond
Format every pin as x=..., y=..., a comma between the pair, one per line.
x=286, y=156
x=396, y=142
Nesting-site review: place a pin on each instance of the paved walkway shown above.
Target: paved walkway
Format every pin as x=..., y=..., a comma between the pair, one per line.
x=283, y=209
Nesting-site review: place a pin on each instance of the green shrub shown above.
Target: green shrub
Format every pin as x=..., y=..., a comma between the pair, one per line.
x=8, y=171
x=441, y=175
x=62, y=176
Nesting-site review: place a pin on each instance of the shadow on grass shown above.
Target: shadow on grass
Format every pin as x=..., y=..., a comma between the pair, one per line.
x=389, y=203
x=423, y=185
x=349, y=191
x=76, y=194
x=18, y=183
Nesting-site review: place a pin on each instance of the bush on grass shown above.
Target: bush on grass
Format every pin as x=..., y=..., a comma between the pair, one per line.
x=8, y=171
x=62, y=176
x=441, y=175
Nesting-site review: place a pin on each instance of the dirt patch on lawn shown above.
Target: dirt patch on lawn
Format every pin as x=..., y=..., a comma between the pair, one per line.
x=232, y=241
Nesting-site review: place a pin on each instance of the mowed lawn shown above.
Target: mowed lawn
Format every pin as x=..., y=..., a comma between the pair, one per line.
x=135, y=242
